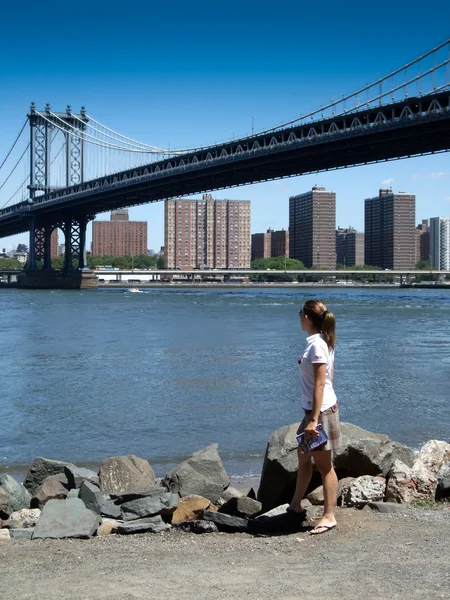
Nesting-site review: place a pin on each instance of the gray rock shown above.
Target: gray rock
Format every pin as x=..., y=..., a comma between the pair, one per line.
x=50, y=489
x=279, y=468
x=274, y=512
x=22, y=534
x=94, y=500
x=363, y=452
x=360, y=453
x=226, y=522
x=198, y=526
x=124, y=474
x=160, y=503
x=41, y=469
x=443, y=479
x=76, y=476
x=317, y=499
x=151, y=491
x=66, y=519
x=5, y=504
x=363, y=490
x=407, y=484
x=73, y=493
x=386, y=507
x=12, y=524
x=152, y=524
x=241, y=507
x=202, y=474
x=18, y=494
x=227, y=494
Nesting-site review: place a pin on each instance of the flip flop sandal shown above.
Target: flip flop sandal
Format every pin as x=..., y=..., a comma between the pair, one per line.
x=325, y=528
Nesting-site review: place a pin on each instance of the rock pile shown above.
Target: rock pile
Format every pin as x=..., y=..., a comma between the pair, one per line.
x=61, y=500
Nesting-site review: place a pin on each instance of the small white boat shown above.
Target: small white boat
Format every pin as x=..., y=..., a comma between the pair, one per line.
x=135, y=291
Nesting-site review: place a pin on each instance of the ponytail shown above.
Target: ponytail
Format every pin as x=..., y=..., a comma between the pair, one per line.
x=329, y=329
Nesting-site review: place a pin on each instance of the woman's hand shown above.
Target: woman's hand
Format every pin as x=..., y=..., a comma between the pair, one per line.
x=311, y=428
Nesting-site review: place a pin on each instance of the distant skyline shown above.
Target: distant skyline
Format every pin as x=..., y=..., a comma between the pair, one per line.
x=189, y=75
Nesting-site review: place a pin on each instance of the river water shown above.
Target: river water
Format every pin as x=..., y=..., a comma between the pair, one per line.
x=87, y=375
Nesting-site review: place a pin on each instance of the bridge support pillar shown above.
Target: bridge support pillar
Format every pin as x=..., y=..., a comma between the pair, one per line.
x=32, y=254
x=68, y=248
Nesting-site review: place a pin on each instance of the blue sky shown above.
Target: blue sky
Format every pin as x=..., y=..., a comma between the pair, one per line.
x=189, y=74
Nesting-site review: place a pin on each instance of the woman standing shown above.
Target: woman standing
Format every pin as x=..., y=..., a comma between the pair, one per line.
x=320, y=406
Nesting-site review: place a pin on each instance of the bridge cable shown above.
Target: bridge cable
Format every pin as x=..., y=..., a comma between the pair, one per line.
x=83, y=135
x=15, y=166
x=139, y=144
x=15, y=142
x=367, y=87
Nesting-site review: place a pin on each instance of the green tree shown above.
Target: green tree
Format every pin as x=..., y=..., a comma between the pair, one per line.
x=278, y=263
x=10, y=264
x=423, y=265
x=160, y=262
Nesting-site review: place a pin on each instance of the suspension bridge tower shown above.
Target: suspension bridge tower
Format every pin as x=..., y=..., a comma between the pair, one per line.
x=44, y=127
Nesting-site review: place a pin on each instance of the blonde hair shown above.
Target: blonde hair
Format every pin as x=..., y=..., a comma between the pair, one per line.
x=322, y=319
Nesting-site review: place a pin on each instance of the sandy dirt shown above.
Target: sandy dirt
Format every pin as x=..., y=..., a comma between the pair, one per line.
x=369, y=556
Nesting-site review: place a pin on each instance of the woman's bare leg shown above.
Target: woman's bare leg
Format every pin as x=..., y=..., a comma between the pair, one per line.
x=324, y=465
x=304, y=475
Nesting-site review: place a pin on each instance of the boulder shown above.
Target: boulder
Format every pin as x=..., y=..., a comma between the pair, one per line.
x=432, y=456
x=94, y=500
x=66, y=519
x=41, y=469
x=27, y=517
x=360, y=453
x=198, y=526
x=227, y=494
x=18, y=494
x=125, y=474
x=279, y=468
x=5, y=535
x=226, y=522
x=76, y=476
x=149, y=506
x=108, y=527
x=203, y=474
x=317, y=499
x=50, y=489
x=443, y=481
x=5, y=504
x=363, y=490
x=408, y=485
x=22, y=534
x=241, y=507
x=191, y=508
x=151, y=524
x=126, y=497
x=363, y=452
x=12, y=524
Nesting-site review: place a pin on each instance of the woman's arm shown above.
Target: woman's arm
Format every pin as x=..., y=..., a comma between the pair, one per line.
x=320, y=371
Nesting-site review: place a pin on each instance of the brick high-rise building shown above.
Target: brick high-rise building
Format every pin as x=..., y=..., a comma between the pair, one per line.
x=270, y=244
x=312, y=228
x=390, y=241
x=54, y=244
x=440, y=243
x=207, y=233
x=423, y=241
x=349, y=247
x=119, y=236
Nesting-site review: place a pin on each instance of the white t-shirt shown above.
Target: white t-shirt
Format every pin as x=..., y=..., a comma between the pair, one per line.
x=316, y=352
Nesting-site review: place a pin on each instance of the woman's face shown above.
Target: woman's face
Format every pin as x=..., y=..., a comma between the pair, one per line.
x=301, y=315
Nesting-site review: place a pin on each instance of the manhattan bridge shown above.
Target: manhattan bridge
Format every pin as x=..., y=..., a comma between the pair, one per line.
x=73, y=167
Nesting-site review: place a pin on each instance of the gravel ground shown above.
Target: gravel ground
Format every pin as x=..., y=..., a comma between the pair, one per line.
x=369, y=556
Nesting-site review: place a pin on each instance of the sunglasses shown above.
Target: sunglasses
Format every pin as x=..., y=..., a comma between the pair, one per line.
x=300, y=312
